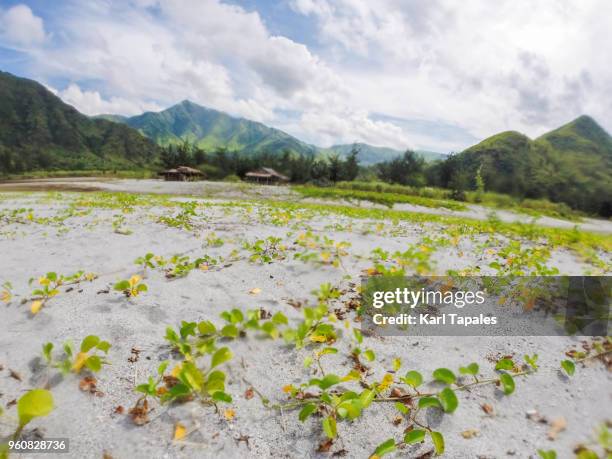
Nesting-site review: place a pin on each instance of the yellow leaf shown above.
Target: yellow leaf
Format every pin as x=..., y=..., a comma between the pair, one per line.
x=325, y=256
x=287, y=389
x=386, y=382
x=90, y=276
x=255, y=291
x=161, y=390
x=36, y=305
x=318, y=338
x=229, y=414
x=134, y=280
x=179, y=431
x=176, y=370
x=204, y=267
x=5, y=296
x=79, y=361
x=43, y=280
x=353, y=375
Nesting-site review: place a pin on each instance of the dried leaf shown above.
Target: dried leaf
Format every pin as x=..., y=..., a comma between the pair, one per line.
x=139, y=413
x=255, y=291
x=470, y=433
x=557, y=425
x=119, y=410
x=249, y=393
x=13, y=374
x=179, y=431
x=487, y=408
x=325, y=446
x=88, y=384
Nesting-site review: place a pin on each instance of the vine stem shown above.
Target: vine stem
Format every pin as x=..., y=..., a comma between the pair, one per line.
x=462, y=387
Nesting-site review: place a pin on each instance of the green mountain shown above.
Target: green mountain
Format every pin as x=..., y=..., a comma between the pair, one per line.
x=40, y=132
x=572, y=164
x=211, y=129
x=369, y=154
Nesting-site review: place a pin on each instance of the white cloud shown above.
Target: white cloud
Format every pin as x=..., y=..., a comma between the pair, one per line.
x=479, y=67
x=92, y=103
x=20, y=27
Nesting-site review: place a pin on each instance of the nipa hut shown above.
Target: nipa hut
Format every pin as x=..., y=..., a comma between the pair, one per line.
x=182, y=174
x=266, y=175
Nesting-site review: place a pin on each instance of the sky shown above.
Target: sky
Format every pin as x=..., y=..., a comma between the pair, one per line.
x=435, y=75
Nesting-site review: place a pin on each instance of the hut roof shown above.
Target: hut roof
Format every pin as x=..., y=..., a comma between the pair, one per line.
x=267, y=172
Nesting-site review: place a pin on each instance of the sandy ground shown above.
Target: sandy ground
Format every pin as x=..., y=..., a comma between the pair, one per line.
x=224, y=190
x=88, y=242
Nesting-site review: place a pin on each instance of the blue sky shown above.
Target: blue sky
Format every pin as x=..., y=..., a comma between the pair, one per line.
x=427, y=74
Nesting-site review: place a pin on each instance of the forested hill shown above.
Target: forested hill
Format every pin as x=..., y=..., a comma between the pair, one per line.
x=210, y=129
x=571, y=164
x=40, y=132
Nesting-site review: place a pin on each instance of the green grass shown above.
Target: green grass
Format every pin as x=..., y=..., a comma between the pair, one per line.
x=387, y=199
x=532, y=207
x=80, y=173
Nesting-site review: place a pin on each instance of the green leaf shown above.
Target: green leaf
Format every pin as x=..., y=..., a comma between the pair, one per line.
x=122, y=285
x=444, y=375
x=448, y=400
x=427, y=402
x=229, y=331
x=358, y=335
x=438, y=441
x=47, y=350
x=569, y=367
x=327, y=381
x=280, y=319
x=399, y=406
x=329, y=427
x=220, y=396
x=162, y=367
x=89, y=342
x=471, y=369
x=413, y=378
x=33, y=404
x=206, y=327
x=306, y=411
x=507, y=382
x=215, y=382
x=369, y=354
x=192, y=376
x=221, y=356
x=366, y=397
x=104, y=346
x=94, y=363
x=385, y=447
x=505, y=364
x=414, y=436
x=350, y=408
x=550, y=454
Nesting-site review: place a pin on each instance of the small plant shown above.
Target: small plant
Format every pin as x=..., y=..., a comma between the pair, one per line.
x=6, y=295
x=49, y=287
x=119, y=225
x=266, y=250
x=91, y=355
x=33, y=404
x=131, y=287
x=212, y=240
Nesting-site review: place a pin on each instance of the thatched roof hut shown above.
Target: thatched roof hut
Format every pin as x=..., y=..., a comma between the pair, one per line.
x=266, y=175
x=182, y=174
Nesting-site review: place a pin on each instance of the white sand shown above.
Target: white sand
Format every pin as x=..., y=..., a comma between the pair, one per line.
x=89, y=243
